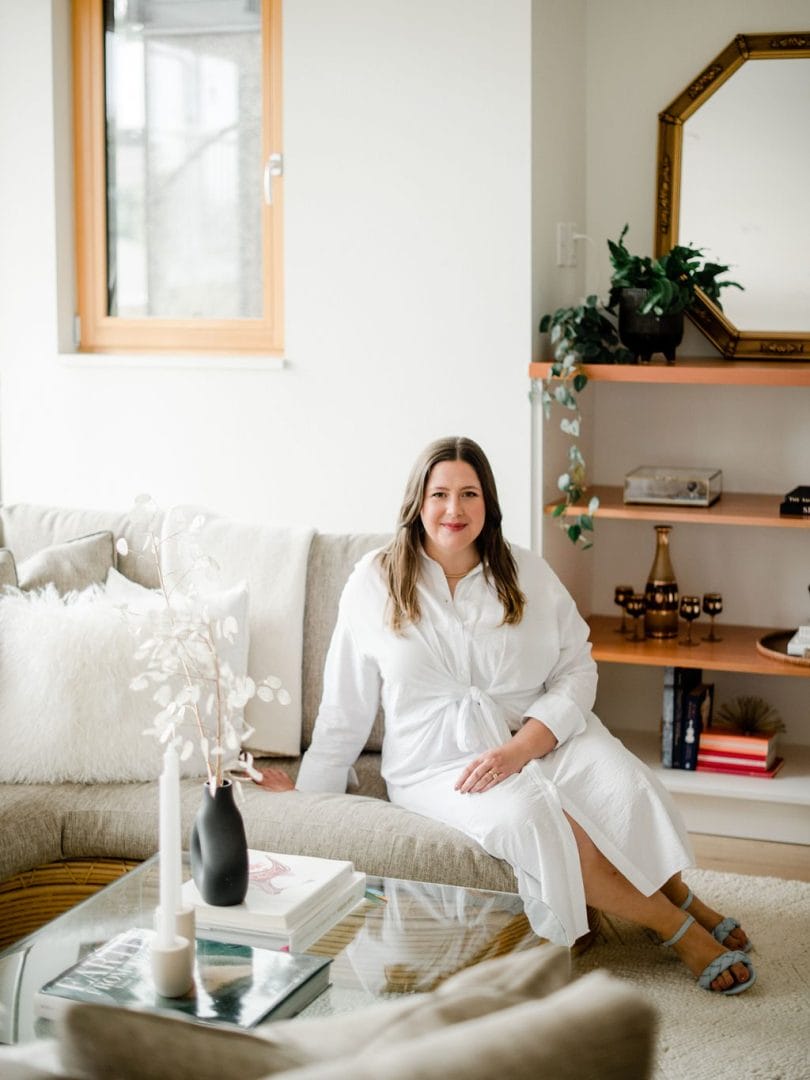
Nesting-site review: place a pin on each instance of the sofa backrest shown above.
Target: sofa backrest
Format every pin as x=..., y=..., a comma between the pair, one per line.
x=331, y=560
x=26, y=528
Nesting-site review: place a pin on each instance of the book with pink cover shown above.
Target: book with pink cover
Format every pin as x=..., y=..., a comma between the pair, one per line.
x=283, y=892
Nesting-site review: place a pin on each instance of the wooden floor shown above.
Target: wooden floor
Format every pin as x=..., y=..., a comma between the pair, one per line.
x=762, y=858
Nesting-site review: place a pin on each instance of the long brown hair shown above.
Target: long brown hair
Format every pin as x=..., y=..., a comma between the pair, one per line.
x=400, y=559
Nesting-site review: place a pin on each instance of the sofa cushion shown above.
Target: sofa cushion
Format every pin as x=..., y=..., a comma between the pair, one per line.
x=67, y=710
x=511, y=1016
x=332, y=558
x=8, y=569
x=70, y=566
x=26, y=528
x=273, y=561
x=31, y=828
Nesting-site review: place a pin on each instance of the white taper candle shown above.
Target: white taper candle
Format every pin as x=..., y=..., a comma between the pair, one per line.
x=170, y=850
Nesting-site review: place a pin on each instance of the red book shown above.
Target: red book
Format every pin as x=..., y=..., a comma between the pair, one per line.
x=758, y=748
x=719, y=757
x=741, y=770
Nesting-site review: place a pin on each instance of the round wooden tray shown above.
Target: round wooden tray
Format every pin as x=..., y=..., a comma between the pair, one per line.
x=775, y=645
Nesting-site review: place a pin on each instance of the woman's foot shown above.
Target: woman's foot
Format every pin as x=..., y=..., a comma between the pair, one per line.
x=681, y=895
x=709, y=919
x=275, y=779
x=696, y=948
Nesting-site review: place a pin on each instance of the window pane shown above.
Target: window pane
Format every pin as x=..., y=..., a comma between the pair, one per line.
x=184, y=158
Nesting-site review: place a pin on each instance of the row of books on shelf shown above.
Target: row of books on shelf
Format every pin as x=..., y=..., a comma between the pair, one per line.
x=688, y=740
x=250, y=963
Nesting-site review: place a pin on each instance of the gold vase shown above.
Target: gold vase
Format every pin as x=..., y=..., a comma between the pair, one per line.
x=661, y=592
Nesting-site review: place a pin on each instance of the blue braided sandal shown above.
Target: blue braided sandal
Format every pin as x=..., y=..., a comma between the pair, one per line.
x=720, y=964
x=723, y=928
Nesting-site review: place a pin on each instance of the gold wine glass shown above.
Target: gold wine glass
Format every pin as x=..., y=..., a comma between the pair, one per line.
x=712, y=606
x=636, y=605
x=621, y=594
x=689, y=610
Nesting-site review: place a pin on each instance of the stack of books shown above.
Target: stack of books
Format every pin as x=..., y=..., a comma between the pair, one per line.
x=738, y=754
x=233, y=984
x=796, y=503
x=686, y=711
x=292, y=900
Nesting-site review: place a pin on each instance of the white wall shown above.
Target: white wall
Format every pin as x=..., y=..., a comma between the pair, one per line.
x=408, y=309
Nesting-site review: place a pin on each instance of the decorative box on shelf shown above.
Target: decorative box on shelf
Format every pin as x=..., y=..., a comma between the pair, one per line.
x=673, y=486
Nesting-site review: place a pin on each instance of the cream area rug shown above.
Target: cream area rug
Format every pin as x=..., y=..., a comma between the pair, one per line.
x=763, y=1033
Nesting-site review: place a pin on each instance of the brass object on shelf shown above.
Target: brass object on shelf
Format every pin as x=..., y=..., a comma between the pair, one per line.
x=661, y=592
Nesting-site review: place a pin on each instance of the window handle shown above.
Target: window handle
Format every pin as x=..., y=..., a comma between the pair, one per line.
x=274, y=166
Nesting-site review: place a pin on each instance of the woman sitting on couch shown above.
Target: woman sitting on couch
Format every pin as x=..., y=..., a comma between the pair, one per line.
x=487, y=681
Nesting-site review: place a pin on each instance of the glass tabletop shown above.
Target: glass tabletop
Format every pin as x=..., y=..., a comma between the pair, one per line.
x=403, y=937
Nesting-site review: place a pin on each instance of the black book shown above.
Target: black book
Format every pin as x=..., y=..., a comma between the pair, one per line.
x=686, y=679
x=699, y=704
x=796, y=503
x=233, y=984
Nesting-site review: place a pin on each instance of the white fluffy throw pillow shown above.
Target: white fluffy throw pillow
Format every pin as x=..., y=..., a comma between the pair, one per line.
x=67, y=711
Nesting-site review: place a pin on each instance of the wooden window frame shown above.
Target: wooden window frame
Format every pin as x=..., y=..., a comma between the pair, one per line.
x=101, y=332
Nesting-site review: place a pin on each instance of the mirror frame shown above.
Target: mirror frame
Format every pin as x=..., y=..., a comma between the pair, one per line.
x=706, y=315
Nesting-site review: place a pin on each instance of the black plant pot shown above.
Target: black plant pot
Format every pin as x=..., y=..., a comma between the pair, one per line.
x=218, y=846
x=647, y=334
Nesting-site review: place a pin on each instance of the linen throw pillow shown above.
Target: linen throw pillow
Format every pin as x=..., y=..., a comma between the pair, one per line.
x=67, y=712
x=71, y=566
x=273, y=560
x=8, y=569
x=147, y=603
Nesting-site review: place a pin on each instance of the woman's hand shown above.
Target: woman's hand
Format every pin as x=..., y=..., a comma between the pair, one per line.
x=275, y=779
x=491, y=768
x=534, y=740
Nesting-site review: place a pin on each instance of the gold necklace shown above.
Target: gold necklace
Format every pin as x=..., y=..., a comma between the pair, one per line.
x=455, y=577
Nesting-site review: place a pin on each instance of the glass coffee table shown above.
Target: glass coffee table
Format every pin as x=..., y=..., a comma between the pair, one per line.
x=403, y=937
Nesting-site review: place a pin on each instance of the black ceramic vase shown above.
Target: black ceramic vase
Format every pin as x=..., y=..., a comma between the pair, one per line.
x=218, y=846
x=647, y=334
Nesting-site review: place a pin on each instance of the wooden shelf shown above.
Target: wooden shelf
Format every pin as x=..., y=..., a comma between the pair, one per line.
x=791, y=784
x=736, y=652
x=732, y=508
x=690, y=370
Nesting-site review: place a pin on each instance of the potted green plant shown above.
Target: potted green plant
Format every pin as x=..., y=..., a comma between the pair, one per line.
x=651, y=295
x=583, y=334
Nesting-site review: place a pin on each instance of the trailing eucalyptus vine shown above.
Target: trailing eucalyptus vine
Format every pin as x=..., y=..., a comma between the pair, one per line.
x=579, y=335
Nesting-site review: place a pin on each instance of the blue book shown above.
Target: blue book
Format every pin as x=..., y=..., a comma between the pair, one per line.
x=667, y=716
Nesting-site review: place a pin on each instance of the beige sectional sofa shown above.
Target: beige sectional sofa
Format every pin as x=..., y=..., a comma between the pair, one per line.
x=60, y=841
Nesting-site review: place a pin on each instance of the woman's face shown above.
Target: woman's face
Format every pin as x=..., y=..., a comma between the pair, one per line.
x=453, y=511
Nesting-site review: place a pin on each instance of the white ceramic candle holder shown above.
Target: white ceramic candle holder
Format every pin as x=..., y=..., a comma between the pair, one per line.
x=173, y=967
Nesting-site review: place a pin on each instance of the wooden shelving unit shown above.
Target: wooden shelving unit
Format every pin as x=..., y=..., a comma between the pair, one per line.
x=710, y=802
x=692, y=370
x=732, y=508
x=736, y=652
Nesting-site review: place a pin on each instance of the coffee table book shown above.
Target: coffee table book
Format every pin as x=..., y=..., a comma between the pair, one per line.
x=336, y=906
x=233, y=984
x=284, y=892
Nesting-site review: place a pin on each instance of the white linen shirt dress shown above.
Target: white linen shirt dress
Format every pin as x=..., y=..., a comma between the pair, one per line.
x=459, y=682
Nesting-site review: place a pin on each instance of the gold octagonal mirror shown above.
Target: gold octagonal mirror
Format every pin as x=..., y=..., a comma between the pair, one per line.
x=733, y=163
